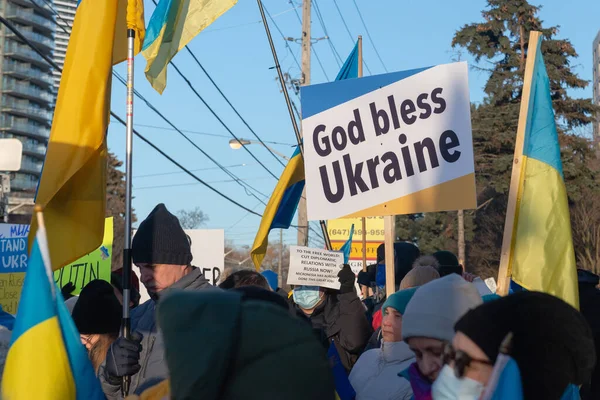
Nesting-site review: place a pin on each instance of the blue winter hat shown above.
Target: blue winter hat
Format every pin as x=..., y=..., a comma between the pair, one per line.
x=271, y=277
x=399, y=300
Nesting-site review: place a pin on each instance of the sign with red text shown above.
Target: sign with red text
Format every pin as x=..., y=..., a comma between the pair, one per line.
x=397, y=143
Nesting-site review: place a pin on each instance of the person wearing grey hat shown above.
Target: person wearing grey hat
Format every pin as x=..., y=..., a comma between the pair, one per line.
x=162, y=251
x=428, y=324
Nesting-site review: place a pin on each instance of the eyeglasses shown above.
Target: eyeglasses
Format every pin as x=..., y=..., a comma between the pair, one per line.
x=460, y=359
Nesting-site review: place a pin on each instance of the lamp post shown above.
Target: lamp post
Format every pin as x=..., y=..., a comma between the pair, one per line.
x=236, y=144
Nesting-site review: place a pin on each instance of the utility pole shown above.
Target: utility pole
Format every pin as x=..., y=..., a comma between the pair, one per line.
x=306, y=43
x=461, y=238
x=279, y=276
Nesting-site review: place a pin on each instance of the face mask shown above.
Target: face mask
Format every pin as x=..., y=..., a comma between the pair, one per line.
x=448, y=387
x=307, y=297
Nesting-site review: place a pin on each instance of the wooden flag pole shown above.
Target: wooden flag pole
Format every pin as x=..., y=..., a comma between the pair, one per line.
x=389, y=222
x=363, y=219
x=516, y=179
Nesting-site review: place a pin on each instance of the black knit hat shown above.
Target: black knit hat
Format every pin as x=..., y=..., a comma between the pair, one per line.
x=97, y=309
x=552, y=343
x=448, y=263
x=161, y=240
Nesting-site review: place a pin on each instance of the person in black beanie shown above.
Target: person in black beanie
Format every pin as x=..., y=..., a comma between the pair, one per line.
x=97, y=316
x=162, y=251
x=552, y=344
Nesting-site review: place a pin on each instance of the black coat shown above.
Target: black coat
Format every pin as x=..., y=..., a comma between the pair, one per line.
x=341, y=318
x=589, y=305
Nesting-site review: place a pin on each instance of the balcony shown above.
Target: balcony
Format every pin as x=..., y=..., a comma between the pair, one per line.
x=21, y=52
x=44, y=42
x=24, y=71
x=40, y=6
x=20, y=126
x=22, y=182
x=35, y=150
x=23, y=108
x=28, y=17
x=24, y=90
x=34, y=168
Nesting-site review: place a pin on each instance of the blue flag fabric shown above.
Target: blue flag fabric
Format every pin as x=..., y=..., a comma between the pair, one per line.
x=509, y=382
x=343, y=388
x=350, y=68
x=347, y=247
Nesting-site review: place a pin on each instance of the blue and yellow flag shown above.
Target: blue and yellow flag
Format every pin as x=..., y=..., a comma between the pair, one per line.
x=542, y=256
x=172, y=26
x=350, y=68
x=281, y=207
x=46, y=359
x=347, y=246
x=72, y=189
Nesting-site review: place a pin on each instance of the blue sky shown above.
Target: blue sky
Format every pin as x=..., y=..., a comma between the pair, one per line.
x=234, y=50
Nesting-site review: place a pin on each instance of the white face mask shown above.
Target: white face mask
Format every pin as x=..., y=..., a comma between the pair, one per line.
x=448, y=387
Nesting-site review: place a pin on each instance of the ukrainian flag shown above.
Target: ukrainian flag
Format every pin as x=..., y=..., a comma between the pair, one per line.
x=46, y=359
x=542, y=256
x=72, y=189
x=281, y=207
x=172, y=26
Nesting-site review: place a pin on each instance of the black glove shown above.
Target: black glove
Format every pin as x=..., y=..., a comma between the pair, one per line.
x=67, y=290
x=346, y=278
x=123, y=358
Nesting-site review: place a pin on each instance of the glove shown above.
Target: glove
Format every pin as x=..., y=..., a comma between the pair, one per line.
x=123, y=358
x=347, y=279
x=67, y=290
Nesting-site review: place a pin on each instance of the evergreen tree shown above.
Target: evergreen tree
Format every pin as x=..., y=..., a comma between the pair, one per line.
x=499, y=46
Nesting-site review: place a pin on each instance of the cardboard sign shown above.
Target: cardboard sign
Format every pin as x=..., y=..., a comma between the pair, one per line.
x=13, y=264
x=208, y=249
x=95, y=265
x=314, y=267
x=389, y=144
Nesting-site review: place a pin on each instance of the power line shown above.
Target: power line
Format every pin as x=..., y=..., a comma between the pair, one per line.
x=336, y=55
x=314, y=50
x=349, y=33
x=193, y=170
x=369, y=35
x=287, y=45
x=188, y=184
x=228, y=102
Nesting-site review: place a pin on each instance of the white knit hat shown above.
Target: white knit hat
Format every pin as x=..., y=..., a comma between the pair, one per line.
x=437, y=306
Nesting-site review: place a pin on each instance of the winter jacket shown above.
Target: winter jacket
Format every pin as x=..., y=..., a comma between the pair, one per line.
x=375, y=375
x=589, y=304
x=152, y=358
x=342, y=318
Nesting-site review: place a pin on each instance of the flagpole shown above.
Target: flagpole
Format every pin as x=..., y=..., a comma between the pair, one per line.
x=126, y=322
x=290, y=108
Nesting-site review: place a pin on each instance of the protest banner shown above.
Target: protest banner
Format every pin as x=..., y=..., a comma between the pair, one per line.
x=397, y=143
x=95, y=265
x=13, y=264
x=208, y=252
x=314, y=267
x=339, y=229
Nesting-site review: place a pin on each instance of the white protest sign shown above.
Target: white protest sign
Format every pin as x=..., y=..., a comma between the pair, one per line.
x=389, y=144
x=314, y=267
x=208, y=249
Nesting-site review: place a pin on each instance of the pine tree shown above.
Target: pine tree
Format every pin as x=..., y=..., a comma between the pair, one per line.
x=499, y=47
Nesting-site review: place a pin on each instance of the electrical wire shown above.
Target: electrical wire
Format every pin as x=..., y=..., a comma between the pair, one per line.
x=287, y=45
x=313, y=49
x=188, y=183
x=336, y=55
x=179, y=172
x=369, y=35
x=349, y=33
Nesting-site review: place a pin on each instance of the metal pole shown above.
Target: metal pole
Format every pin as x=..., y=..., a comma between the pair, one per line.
x=289, y=105
x=363, y=219
x=279, y=276
x=126, y=323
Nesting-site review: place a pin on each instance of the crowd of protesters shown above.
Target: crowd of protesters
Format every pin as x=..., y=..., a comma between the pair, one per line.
x=441, y=335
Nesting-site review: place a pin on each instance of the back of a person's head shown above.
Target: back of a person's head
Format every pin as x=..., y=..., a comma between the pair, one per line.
x=447, y=263
x=419, y=276
x=226, y=345
x=436, y=306
x=245, y=277
x=97, y=310
x=405, y=255
x=427, y=260
x=552, y=343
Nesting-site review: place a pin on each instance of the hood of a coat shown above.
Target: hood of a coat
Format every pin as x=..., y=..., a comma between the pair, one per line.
x=396, y=352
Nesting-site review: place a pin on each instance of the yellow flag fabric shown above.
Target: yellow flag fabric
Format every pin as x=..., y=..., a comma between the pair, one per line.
x=72, y=190
x=130, y=15
x=542, y=255
x=174, y=23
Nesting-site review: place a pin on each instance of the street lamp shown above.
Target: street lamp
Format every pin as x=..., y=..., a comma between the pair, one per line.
x=236, y=144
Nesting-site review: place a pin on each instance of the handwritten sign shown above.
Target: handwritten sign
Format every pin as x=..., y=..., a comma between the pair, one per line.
x=95, y=265
x=314, y=267
x=13, y=264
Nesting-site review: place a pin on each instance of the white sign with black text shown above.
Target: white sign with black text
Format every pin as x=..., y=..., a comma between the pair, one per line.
x=314, y=267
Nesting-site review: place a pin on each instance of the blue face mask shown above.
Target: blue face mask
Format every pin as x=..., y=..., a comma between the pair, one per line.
x=448, y=387
x=307, y=297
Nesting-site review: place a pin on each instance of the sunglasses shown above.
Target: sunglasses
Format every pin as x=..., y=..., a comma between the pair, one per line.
x=460, y=359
